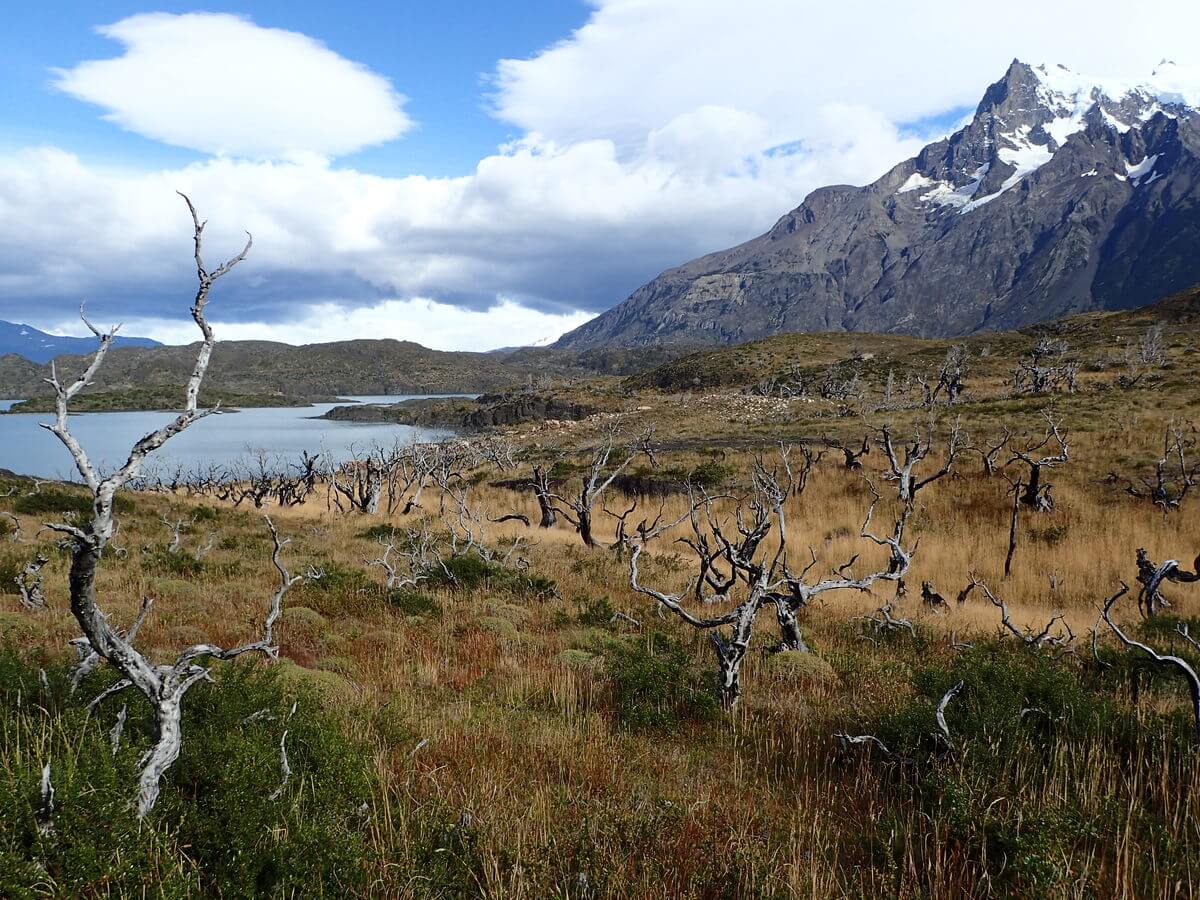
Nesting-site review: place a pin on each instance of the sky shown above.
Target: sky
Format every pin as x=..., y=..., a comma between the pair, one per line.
x=470, y=175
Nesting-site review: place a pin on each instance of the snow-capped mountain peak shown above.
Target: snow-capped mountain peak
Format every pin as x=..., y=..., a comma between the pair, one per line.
x=1027, y=117
x=1063, y=193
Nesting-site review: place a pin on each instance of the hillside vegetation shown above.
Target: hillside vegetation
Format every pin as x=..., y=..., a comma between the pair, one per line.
x=260, y=371
x=472, y=705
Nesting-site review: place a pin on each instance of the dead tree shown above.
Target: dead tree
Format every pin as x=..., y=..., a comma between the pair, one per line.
x=745, y=574
x=294, y=489
x=990, y=452
x=14, y=535
x=851, y=453
x=540, y=482
x=1173, y=475
x=1036, y=494
x=414, y=558
x=1045, y=370
x=908, y=483
x=931, y=598
x=1151, y=577
x=359, y=481
x=885, y=623
x=1060, y=640
x=29, y=583
x=1145, y=359
x=622, y=536
x=176, y=528
x=165, y=685
x=577, y=508
x=1182, y=666
x=420, y=463
x=946, y=382
x=798, y=475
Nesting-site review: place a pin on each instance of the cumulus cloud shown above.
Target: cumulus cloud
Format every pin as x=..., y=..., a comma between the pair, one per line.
x=220, y=84
x=660, y=130
x=555, y=227
x=638, y=64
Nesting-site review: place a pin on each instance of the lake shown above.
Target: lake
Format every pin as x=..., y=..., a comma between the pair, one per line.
x=28, y=449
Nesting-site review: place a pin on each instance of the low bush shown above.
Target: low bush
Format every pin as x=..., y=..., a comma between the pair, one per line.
x=597, y=612
x=656, y=685
x=181, y=563
x=59, y=500
x=217, y=829
x=10, y=568
x=205, y=513
x=470, y=572
x=413, y=603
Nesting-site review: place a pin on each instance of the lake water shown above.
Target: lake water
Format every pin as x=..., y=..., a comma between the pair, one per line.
x=28, y=449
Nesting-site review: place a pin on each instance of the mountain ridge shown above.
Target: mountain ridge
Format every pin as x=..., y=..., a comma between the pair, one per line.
x=266, y=369
x=1061, y=195
x=40, y=347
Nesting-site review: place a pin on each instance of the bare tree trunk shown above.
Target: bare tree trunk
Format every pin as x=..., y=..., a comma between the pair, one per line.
x=1012, y=530
x=790, y=637
x=585, y=527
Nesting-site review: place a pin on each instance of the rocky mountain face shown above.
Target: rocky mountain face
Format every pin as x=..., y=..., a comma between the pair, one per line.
x=1061, y=195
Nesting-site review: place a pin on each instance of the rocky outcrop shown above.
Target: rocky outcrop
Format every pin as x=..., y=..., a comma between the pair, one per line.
x=484, y=412
x=1058, y=197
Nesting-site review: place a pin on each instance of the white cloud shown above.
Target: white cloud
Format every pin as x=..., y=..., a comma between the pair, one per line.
x=638, y=64
x=562, y=227
x=220, y=84
x=650, y=136
x=436, y=325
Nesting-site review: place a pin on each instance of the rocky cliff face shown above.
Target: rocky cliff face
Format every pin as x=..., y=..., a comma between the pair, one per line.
x=1060, y=196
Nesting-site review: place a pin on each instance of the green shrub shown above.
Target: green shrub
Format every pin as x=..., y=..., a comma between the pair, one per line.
x=710, y=474
x=597, y=612
x=205, y=513
x=341, y=579
x=180, y=563
x=61, y=500
x=413, y=603
x=381, y=531
x=1051, y=535
x=9, y=570
x=655, y=685
x=215, y=830
x=471, y=572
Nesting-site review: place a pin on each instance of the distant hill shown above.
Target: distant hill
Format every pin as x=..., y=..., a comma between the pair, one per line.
x=39, y=347
x=786, y=357
x=1061, y=195
x=263, y=369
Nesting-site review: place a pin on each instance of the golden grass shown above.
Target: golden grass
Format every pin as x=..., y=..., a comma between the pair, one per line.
x=466, y=715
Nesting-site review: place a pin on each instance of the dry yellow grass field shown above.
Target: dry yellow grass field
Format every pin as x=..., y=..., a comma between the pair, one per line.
x=497, y=711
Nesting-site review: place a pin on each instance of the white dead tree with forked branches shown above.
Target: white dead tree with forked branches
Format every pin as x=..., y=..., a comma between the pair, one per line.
x=578, y=508
x=1052, y=450
x=1180, y=665
x=163, y=686
x=744, y=568
x=902, y=467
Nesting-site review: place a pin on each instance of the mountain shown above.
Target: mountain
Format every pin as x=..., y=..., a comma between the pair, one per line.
x=1061, y=195
x=258, y=371
x=39, y=347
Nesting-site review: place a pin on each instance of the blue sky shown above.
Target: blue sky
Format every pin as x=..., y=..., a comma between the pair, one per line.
x=442, y=66
x=466, y=175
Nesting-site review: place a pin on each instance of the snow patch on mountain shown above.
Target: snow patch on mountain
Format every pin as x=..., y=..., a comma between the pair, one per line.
x=1146, y=166
x=946, y=194
x=915, y=182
